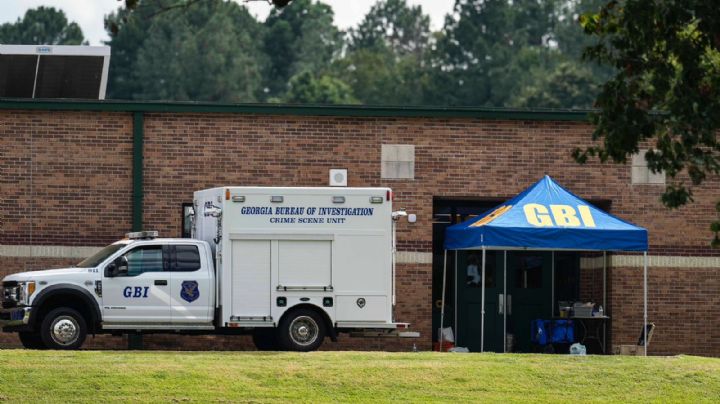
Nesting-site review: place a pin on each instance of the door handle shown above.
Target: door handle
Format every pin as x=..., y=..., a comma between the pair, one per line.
x=501, y=303
x=160, y=282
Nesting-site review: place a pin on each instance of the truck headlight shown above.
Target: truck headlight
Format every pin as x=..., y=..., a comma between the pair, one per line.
x=25, y=291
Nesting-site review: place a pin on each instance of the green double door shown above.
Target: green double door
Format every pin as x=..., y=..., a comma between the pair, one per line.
x=527, y=296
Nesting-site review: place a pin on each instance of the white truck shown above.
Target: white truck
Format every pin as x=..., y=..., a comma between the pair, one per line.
x=288, y=265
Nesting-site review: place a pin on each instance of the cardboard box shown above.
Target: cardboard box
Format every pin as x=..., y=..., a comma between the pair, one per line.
x=634, y=350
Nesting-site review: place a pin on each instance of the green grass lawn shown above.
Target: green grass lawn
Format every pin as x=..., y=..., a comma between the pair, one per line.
x=351, y=376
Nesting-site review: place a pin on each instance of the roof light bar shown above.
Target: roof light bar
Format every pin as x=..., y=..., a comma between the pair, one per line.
x=137, y=235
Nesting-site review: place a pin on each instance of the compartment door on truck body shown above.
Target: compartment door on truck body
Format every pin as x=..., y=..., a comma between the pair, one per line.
x=250, y=261
x=305, y=263
x=143, y=294
x=362, y=263
x=192, y=286
x=362, y=275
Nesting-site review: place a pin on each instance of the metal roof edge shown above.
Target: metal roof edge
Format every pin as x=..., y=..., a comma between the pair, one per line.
x=301, y=110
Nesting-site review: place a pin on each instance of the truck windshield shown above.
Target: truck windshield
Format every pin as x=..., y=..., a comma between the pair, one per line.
x=99, y=256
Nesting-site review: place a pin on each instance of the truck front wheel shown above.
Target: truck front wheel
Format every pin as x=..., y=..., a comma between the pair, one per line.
x=63, y=328
x=301, y=330
x=31, y=340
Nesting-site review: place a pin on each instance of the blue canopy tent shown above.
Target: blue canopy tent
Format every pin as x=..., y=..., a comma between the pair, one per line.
x=545, y=216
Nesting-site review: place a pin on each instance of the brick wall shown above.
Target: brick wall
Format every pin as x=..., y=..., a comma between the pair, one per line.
x=66, y=177
x=683, y=303
x=67, y=181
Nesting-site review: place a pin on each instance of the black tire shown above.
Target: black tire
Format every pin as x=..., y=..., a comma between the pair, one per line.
x=63, y=328
x=265, y=339
x=31, y=340
x=301, y=330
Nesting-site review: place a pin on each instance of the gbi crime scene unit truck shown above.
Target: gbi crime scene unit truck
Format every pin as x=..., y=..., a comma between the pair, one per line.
x=289, y=265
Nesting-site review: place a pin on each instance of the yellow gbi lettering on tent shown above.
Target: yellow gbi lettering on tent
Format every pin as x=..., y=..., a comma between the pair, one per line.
x=558, y=215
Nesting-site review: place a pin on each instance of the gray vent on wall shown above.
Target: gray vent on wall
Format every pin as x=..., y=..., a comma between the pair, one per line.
x=58, y=71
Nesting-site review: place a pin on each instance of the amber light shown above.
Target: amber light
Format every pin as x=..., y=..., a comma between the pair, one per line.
x=30, y=288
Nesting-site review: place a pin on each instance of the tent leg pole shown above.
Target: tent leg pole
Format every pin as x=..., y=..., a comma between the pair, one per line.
x=645, y=300
x=455, y=312
x=605, y=308
x=504, y=309
x=482, y=311
x=552, y=286
x=442, y=303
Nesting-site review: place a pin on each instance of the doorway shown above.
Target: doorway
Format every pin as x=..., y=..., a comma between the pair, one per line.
x=513, y=298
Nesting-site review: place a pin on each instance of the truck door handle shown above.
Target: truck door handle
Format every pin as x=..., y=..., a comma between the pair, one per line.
x=161, y=282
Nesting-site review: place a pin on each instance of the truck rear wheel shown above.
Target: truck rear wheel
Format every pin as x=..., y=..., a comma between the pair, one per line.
x=301, y=330
x=31, y=340
x=63, y=328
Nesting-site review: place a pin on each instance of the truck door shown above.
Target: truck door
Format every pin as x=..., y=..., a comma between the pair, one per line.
x=143, y=294
x=191, y=285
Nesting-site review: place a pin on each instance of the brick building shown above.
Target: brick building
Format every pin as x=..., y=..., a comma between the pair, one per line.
x=78, y=175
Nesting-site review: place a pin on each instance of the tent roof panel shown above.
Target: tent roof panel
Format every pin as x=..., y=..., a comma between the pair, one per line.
x=547, y=216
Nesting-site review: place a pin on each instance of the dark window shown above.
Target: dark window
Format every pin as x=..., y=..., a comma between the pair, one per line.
x=529, y=271
x=473, y=269
x=187, y=258
x=144, y=259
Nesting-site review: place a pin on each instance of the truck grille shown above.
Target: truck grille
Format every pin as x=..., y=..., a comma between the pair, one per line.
x=8, y=294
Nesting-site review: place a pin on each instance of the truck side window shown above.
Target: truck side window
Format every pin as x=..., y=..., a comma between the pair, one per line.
x=187, y=258
x=144, y=259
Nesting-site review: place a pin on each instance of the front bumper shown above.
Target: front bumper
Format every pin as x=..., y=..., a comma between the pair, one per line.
x=15, y=317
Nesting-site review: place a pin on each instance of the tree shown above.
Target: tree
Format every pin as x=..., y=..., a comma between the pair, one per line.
x=393, y=24
x=42, y=26
x=476, y=54
x=666, y=89
x=301, y=37
x=569, y=85
x=385, y=63
x=207, y=52
x=306, y=89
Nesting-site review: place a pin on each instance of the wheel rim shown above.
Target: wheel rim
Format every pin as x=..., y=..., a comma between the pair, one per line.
x=64, y=330
x=304, y=330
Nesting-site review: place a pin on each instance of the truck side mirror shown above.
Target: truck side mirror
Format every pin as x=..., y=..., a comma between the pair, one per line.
x=122, y=265
x=117, y=267
x=110, y=270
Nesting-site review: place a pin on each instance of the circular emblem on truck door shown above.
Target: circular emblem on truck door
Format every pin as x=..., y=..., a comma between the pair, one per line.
x=361, y=302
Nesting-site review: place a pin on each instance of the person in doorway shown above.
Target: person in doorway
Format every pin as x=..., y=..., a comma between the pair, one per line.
x=473, y=272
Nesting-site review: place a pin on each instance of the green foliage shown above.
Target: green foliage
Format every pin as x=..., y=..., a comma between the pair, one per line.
x=567, y=85
x=392, y=24
x=42, y=26
x=490, y=53
x=666, y=88
x=207, y=52
x=502, y=53
x=307, y=89
x=385, y=62
x=300, y=37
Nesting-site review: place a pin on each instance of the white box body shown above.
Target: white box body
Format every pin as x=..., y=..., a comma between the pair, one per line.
x=301, y=244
